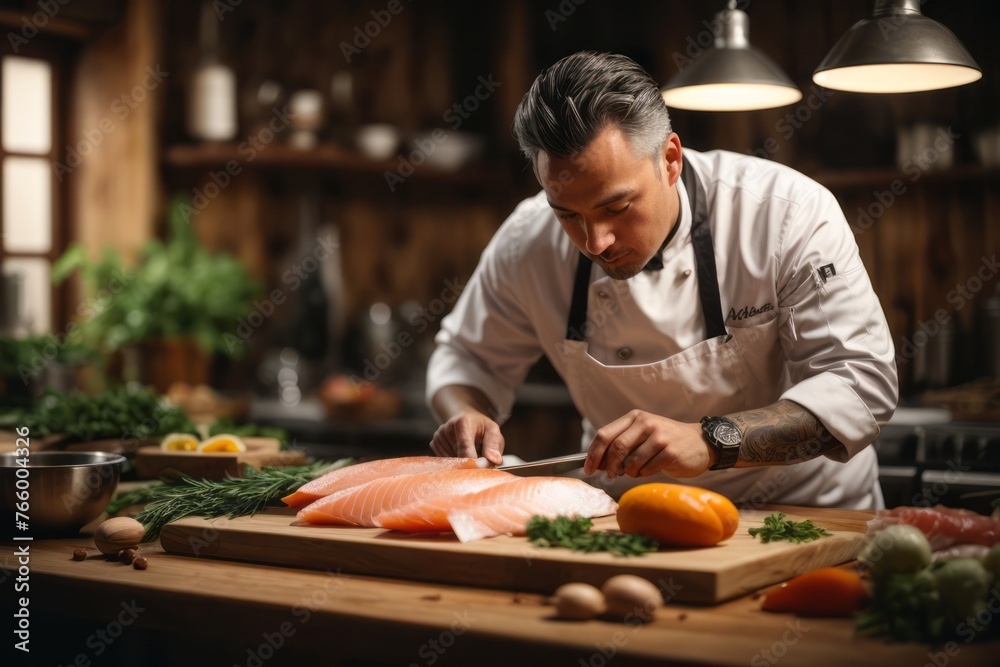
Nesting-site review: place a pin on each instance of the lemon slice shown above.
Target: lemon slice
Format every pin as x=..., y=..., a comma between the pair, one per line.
x=179, y=442
x=224, y=443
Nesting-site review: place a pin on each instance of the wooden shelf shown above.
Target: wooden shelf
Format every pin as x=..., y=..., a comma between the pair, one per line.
x=882, y=177
x=59, y=27
x=323, y=159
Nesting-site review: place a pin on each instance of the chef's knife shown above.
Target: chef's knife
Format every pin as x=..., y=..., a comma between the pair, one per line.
x=547, y=467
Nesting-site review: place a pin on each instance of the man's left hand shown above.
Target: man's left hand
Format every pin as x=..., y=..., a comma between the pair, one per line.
x=640, y=444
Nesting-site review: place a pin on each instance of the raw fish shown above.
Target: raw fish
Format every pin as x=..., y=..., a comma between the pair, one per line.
x=355, y=475
x=358, y=505
x=504, y=508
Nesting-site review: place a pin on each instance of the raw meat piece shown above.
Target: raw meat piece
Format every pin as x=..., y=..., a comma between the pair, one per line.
x=942, y=525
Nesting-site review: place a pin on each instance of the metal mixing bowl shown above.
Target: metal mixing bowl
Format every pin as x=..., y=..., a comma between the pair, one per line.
x=66, y=490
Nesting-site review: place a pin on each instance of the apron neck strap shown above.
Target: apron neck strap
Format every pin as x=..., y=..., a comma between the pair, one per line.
x=704, y=259
x=578, y=306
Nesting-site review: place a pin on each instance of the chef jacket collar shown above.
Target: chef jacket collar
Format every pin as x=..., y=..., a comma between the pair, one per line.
x=681, y=230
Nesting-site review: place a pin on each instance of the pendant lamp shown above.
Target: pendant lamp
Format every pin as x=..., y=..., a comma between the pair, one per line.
x=732, y=75
x=898, y=50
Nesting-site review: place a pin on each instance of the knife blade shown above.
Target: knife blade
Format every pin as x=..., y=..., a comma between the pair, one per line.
x=547, y=467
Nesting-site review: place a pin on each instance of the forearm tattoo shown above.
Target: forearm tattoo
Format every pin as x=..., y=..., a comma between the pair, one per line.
x=782, y=433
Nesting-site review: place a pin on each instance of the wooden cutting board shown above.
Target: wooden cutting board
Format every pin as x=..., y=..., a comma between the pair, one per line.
x=706, y=575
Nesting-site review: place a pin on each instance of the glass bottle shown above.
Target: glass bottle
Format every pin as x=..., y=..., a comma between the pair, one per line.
x=212, y=101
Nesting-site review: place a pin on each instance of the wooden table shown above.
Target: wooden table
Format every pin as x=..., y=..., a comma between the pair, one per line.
x=194, y=611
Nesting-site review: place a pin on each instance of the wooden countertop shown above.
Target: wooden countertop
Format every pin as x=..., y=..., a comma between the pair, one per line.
x=241, y=611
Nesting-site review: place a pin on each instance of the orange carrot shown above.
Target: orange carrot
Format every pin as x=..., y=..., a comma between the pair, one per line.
x=828, y=591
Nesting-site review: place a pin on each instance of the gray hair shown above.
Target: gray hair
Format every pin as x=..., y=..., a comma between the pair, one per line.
x=575, y=99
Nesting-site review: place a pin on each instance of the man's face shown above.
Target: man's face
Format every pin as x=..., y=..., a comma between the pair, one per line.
x=611, y=202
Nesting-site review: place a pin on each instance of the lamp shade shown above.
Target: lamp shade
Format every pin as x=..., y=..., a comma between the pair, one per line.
x=898, y=50
x=732, y=75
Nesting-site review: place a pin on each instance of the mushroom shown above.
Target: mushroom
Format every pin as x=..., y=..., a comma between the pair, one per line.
x=631, y=597
x=577, y=601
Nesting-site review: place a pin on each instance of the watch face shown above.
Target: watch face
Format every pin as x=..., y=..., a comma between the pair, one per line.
x=727, y=434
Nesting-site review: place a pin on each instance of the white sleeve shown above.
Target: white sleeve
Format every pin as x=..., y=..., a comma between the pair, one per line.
x=488, y=341
x=834, y=334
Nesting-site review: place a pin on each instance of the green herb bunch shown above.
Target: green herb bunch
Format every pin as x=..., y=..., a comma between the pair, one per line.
x=906, y=608
x=23, y=359
x=118, y=412
x=20, y=354
x=575, y=534
x=927, y=601
x=234, y=497
x=177, y=289
x=777, y=528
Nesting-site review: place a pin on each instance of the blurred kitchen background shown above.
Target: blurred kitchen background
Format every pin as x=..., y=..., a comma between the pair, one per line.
x=262, y=210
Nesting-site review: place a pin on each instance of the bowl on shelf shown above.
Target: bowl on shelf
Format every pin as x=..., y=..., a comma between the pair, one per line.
x=66, y=490
x=378, y=141
x=450, y=149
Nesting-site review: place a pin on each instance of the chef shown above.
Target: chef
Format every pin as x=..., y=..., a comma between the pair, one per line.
x=708, y=312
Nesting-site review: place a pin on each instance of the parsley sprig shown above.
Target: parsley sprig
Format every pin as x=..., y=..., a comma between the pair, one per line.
x=575, y=534
x=777, y=528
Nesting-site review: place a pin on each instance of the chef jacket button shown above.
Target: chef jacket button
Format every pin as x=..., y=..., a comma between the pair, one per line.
x=687, y=272
x=602, y=294
x=624, y=353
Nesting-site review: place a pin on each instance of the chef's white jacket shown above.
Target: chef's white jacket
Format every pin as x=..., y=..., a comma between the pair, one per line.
x=794, y=293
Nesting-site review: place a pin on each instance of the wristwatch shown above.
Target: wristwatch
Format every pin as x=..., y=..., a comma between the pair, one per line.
x=722, y=435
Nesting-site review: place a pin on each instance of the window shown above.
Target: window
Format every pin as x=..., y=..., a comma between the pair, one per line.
x=30, y=194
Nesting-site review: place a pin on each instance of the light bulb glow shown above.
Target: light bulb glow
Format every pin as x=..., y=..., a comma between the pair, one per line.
x=731, y=96
x=896, y=77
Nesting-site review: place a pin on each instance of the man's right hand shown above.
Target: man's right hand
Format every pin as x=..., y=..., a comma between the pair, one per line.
x=460, y=435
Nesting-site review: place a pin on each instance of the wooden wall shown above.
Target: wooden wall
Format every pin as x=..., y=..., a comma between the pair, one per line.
x=115, y=192
x=401, y=246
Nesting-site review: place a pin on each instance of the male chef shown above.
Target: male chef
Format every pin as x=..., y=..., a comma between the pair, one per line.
x=708, y=312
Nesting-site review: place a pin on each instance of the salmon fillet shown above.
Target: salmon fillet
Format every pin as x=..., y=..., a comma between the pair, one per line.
x=504, y=508
x=355, y=475
x=358, y=505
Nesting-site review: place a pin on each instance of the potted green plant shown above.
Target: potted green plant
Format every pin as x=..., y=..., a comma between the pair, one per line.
x=174, y=306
